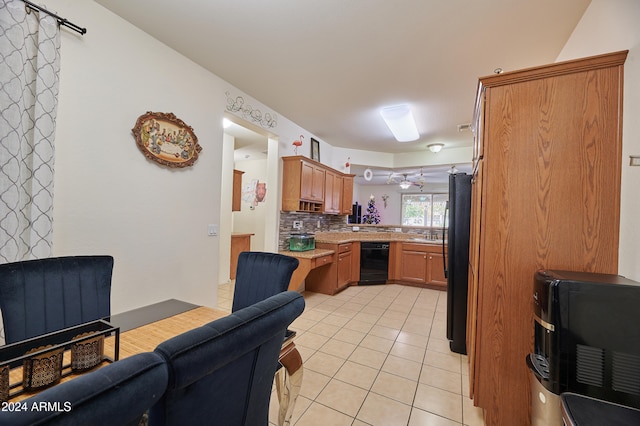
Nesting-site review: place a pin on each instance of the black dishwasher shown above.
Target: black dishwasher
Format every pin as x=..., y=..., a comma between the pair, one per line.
x=374, y=262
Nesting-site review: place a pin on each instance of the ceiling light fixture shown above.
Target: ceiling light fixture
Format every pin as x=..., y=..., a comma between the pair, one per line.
x=435, y=147
x=400, y=121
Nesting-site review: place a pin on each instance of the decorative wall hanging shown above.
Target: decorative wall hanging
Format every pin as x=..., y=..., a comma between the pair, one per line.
x=315, y=150
x=266, y=120
x=165, y=139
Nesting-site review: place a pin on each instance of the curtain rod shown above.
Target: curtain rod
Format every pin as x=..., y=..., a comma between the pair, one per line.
x=61, y=21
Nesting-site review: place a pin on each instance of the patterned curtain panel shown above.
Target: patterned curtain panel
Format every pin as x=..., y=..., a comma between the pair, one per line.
x=29, y=73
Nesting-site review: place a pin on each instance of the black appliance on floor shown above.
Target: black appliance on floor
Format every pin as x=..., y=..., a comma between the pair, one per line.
x=457, y=264
x=586, y=340
x=374, y=262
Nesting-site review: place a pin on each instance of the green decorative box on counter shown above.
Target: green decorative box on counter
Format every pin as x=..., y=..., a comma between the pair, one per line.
x=302, y=242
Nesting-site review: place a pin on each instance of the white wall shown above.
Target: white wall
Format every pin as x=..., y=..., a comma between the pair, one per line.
x=609, y=26
x=252, y=219
x=391, y=214
x=109, y=199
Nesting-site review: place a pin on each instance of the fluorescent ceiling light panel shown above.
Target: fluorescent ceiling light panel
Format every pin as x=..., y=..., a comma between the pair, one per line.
x=400, y=121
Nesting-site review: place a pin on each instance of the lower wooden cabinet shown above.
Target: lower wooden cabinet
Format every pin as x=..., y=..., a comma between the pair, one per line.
x=339, y=274
x=239, y=243
x=435, y=269
x=417, y=263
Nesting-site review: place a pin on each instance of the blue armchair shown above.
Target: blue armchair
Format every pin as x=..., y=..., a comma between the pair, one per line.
x=261, y=275
x=222, y=373
x=117, y=394
x=45, y=295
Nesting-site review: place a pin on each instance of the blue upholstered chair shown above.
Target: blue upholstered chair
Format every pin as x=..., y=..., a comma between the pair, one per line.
x=261, y=275
x=222, y=373
x=45, y=295
x=117, y=394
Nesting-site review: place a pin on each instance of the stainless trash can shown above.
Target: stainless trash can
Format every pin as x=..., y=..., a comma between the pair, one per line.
x=545, y=405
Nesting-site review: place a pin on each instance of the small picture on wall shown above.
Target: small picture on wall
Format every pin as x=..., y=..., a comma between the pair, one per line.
x=315, y=150
x=254, y=192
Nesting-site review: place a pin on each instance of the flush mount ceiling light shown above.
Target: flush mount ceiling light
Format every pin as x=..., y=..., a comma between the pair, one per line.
x=435, y=147
x=400, y=121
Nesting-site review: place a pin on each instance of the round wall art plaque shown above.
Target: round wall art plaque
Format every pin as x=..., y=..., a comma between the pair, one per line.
x=165, y=139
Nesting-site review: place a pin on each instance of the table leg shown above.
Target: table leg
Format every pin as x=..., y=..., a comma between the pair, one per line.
x=288, y=383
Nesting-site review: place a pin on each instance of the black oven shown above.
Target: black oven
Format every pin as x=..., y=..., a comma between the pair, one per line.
x=374, y=262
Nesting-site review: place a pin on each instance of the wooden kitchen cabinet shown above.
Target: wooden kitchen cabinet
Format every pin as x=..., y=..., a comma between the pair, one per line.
x=309, y=186
x=435, y=270
x=237, y=190
x=339, y=274
x=546, y=194
x=312, y=182
x=332, y=192
x=347, y=194
x=413, y=266
x=417, y=263
x=239, y=243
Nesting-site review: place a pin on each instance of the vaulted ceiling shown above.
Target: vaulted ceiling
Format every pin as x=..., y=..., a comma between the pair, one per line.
x=330, y=65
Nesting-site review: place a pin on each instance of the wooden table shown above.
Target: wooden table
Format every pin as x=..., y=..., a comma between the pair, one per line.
x=142, y=330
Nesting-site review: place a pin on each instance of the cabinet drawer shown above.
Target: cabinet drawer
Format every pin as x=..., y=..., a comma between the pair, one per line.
x=324, y=260
x=344, y=247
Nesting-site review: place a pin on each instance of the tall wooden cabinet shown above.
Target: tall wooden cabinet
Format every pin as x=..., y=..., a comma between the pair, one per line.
x=546, y=194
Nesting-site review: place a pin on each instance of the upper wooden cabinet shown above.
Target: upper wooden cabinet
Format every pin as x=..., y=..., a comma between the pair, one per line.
x=332, y=193
x=546, y=194
x=309, y=186
x=237, y=190
x=347, y=194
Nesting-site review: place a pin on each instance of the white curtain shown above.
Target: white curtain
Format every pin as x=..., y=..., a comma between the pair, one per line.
x=29, y=73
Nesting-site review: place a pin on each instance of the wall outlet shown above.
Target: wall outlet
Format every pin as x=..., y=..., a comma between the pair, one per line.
x=297, y=224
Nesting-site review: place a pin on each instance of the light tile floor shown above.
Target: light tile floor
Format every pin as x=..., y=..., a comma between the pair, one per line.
x=377, y=355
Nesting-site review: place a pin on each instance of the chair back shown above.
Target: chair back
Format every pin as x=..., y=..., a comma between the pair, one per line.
x=222, y=373
x=261, y=275
x=45, y=295
x=117, y=394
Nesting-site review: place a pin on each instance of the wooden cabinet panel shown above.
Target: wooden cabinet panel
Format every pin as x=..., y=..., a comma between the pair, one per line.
x=340, y=273
x=550, y=162
x=306, y=181
x=237, y=191
x=332, y=192
x=435, y=270
x=414, y=266
x=344, y=269
x=417, y=263
x=347, y=194
x=239, y=243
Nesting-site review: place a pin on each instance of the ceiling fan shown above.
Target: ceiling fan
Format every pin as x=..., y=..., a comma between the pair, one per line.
x=405, y=182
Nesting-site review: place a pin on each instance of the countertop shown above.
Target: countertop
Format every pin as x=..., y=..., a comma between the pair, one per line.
x=348, y=237
x=308, y=254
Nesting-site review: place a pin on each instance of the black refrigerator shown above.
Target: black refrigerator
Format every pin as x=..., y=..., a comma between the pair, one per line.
x=457, y=264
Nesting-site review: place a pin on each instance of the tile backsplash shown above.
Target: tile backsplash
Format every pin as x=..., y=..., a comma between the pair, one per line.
x=314, y=222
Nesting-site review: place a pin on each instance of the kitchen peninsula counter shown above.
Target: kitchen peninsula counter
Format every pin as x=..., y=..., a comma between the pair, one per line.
x=335, y=263
x=308, y=260
x=348, y=237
